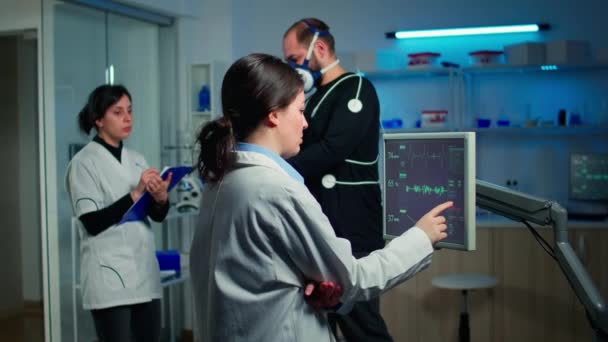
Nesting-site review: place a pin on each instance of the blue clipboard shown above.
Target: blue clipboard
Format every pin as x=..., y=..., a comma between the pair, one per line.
x=139, y=210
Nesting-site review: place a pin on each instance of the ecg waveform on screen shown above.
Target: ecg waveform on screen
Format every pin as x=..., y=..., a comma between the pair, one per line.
x=422, y=157
x=426, y=189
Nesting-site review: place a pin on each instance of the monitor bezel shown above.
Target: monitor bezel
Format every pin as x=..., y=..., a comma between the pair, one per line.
x=469, y=180
x=570, y=196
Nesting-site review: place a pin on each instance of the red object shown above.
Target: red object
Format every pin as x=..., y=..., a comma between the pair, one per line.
x=423, y=58
x=485, y=57
x=433, y=117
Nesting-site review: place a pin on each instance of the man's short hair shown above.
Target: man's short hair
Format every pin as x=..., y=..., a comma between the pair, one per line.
x=304, y=34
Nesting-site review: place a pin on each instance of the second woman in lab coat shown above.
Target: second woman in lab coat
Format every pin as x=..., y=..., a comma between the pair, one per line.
x=262, y=235
x=119, y=272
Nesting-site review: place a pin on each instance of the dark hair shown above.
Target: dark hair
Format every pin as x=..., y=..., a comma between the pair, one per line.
x=304, y=34
x=253, y=86
x=100, y=99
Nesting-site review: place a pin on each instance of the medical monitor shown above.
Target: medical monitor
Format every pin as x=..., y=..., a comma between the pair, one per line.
x=589, y=177
x=422, y=170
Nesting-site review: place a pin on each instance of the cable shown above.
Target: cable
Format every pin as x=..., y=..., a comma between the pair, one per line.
x=352, y=161
x=541, y=241
x=357, y=106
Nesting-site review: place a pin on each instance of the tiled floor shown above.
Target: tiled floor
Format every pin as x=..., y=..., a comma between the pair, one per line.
x=23, y=328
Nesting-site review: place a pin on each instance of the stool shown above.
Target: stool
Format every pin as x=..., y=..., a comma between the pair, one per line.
x=464, y=283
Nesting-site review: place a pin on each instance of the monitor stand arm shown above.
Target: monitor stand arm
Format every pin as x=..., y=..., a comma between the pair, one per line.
x=519, y=206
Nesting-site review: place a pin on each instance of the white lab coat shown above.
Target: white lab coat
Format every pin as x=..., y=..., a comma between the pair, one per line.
x=260, y=236
x=117, y=266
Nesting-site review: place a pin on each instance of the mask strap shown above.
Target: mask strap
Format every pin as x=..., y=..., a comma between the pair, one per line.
x=312, y=45
x=314, y=29
x=316, y=36
x=333, y=64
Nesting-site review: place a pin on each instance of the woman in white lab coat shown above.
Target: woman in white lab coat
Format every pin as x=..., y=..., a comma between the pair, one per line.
x=119, y=272
x=261, y=235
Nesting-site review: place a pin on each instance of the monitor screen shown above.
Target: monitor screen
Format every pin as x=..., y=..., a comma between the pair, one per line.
x=589, y=177
x=422, y=170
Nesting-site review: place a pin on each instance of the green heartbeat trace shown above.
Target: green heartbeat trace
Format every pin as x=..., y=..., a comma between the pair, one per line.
x=426, y=189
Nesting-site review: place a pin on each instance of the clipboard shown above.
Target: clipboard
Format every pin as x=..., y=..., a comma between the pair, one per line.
x=139, y=210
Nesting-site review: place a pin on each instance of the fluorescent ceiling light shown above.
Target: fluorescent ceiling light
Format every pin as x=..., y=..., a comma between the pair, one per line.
x=467, y=31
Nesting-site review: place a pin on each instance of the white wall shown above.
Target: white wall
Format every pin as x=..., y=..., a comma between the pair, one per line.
x=18, y=15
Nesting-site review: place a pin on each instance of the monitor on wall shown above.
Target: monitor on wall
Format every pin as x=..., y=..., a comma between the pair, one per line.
x=589, y=177
x=422, y=170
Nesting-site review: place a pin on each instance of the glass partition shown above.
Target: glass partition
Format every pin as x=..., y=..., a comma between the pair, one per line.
x=83, y=48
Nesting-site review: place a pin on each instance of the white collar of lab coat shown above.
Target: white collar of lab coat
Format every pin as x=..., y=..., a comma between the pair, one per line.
x=255, y=158
x=290, y=170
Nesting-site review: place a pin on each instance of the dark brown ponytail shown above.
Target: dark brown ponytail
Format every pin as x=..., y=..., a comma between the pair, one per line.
x=216, y=142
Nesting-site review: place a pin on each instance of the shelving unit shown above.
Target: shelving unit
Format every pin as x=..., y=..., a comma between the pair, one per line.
x=539, y=95
x=449, y=77
x=536, y=157
x=418, y=130
x=550, y=130
x=201, y=74
x=411, y=73
x=461, y=113
x=502, y=68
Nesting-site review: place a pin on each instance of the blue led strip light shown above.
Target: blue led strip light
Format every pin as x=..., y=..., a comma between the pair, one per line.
x=467, y=31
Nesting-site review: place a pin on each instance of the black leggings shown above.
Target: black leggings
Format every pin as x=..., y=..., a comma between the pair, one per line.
x=136, y=322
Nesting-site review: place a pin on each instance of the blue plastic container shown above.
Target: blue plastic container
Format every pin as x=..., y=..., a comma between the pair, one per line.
x=392, y=123
x=204, y=99
x=169, y=260
x=503, y=123
x=483, y=123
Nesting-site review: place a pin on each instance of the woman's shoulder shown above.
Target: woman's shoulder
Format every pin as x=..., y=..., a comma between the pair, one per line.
x=135, y=159
x=86, y=155
x=276, y=186
x=261, y=178
x=134, y=154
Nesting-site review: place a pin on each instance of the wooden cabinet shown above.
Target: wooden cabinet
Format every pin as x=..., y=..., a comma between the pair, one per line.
x=532, y=301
